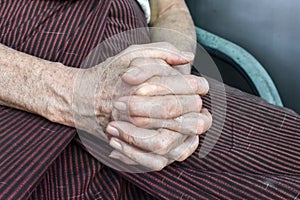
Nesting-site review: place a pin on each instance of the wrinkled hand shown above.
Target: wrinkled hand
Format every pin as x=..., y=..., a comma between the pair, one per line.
x=159, y=92
x=97, y=88
x=154, y=148
x=161, y=122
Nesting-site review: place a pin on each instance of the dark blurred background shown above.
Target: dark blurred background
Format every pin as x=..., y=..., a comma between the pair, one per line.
x=268, y=29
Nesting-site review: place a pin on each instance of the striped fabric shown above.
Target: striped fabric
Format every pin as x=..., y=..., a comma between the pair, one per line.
x=256, y=157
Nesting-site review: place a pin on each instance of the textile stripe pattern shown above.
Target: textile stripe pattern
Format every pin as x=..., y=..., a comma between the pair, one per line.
x=257, y=155
x=59, y=31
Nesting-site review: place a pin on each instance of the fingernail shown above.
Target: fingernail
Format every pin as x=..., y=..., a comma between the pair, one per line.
x=188, y=55
x=115, y=144
x=120, y=106
x=114, y=156
x=134, y=71
x=113, y=131
x=204, y=83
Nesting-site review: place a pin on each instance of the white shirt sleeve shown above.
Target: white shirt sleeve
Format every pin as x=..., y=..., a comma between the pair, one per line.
x=146, y=7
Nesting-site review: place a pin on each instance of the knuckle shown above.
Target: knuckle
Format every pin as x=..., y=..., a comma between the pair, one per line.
x=172, y=107
x=162, y=148
x=193, y=82
x=198, y=84
x=141, y=122
x=190, y=103
x=163, y=144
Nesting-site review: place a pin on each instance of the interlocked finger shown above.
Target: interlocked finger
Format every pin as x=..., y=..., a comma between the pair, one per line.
x=148, y=159
x=160, y=50
x=159, y=107
x=167, y=85
x=159, y=141
x=131, y=155
x=188, y=124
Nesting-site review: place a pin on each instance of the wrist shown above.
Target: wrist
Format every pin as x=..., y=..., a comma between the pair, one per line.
x=59, y=82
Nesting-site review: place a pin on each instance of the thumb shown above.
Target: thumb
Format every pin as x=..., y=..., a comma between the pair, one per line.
x=181, y=59
x=163, y=50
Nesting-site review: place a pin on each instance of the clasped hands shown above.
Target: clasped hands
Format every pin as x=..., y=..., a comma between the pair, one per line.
x=158, y=119
x=140, y=103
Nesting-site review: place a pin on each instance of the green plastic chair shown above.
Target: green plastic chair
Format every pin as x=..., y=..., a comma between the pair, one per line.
x=253, y=69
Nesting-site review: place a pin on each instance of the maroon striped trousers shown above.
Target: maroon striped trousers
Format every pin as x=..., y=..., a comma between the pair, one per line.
x=256, y=157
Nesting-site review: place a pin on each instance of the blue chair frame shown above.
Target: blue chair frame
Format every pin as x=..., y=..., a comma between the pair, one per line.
x=255, y=71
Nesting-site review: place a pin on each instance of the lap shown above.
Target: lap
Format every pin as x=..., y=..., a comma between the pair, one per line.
x=256, y=156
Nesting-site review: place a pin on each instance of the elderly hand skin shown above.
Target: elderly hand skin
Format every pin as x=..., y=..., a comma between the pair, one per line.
x=74, y=97
x=98, y=88
x=161, y=121
x=81, y=98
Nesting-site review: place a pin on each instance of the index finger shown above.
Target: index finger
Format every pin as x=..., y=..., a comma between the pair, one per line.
x=161, y=50
x=177, y=85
